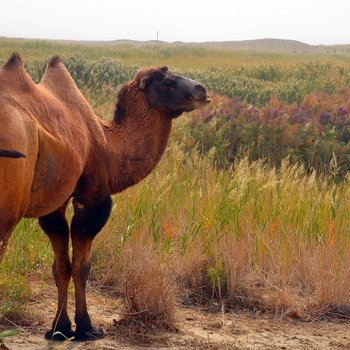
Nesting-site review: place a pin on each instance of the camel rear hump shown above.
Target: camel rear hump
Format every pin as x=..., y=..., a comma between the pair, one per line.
x=13, y=76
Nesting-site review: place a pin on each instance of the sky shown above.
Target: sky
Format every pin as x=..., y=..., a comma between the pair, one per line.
x=309, y=21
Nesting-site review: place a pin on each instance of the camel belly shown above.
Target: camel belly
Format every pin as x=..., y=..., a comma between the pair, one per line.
x=57, y=171
x=41, y=205
x=53, y=185
x=48, y=198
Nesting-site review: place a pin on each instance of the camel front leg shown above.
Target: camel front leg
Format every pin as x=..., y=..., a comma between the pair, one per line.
x=56, y=228
x=86, y=223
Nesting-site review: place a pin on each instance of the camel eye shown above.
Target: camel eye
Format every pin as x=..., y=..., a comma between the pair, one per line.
x=168, y=83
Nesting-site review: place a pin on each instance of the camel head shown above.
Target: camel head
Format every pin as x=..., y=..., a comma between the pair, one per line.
x=170, y=93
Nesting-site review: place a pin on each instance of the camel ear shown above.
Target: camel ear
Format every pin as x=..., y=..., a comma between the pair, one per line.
x=146, y=77
x=143, y=83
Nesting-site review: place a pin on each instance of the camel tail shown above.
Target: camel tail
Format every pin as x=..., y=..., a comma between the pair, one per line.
x=11, y=154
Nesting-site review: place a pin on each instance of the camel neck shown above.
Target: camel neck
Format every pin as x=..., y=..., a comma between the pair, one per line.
x=136, y=139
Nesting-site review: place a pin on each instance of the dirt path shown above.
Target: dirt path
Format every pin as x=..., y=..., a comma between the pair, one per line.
x=196, y=329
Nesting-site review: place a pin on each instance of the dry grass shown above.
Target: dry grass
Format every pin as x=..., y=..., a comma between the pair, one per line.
x=288, y=277
x=251, y=236
x=254, y=237
x=147, y=283
x=147, y=286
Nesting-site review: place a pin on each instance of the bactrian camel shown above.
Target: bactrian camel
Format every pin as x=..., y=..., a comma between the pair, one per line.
x=53, y=148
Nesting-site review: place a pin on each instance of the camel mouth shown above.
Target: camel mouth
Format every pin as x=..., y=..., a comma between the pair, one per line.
x=203, y=101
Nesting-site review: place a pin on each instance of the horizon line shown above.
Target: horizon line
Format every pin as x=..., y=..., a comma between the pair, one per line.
x=165, y=41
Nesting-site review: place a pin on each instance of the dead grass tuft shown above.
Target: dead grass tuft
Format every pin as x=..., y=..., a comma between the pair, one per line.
x=147, y=284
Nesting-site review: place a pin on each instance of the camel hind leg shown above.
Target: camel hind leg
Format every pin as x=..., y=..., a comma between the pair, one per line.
x=18, y=150
x=5, y=233
x=12, y=206
x=14, y=196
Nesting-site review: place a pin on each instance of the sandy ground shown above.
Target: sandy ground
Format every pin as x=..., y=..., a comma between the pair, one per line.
x=195, y=329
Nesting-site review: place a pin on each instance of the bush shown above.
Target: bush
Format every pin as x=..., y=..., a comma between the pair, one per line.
x=308, y=133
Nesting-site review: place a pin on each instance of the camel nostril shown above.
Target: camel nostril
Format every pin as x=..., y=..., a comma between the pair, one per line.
x=201, y=88
x=190, y=96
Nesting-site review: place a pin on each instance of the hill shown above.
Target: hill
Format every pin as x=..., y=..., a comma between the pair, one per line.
x=279, y=45
x=261, y=45
x=258, y=45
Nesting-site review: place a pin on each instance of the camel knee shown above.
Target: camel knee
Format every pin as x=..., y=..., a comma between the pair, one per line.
x=62, y=271
x=80, y=273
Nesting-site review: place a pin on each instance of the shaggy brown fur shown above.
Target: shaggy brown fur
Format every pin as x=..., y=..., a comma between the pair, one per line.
x=53, y=148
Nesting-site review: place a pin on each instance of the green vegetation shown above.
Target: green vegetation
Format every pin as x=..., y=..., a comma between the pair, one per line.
x=260, y=230
x=253, y=76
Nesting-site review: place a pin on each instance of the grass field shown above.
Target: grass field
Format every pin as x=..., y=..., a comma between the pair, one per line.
x=249, y=233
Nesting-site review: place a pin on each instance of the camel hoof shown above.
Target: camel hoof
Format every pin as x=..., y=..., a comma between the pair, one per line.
x=93, y=334
x=59, y=335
